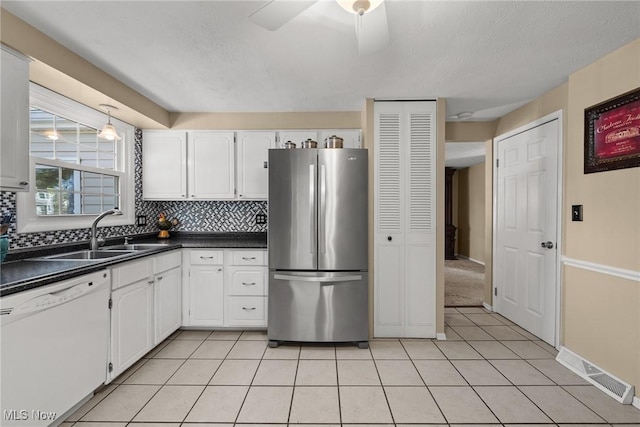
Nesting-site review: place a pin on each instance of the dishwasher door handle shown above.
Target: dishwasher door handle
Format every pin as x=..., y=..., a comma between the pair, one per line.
x=44, y=302
x=317, y=279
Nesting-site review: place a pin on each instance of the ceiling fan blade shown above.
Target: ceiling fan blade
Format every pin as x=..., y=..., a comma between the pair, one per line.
x=275, y=13
x=372, y=30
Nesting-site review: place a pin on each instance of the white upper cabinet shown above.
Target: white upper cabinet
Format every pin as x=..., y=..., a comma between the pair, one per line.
x=14, y=121
x=253, y=156
x=211, y=165
x=218, y=165
x=164, y=165
x=178, y=165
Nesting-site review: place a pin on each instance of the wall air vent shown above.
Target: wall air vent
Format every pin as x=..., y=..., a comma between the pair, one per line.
x=614, y=387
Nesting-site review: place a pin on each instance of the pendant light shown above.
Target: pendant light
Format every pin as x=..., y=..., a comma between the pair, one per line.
x=108, y=130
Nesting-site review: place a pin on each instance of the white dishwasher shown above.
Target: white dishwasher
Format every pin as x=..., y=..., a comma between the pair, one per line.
x=53, y=348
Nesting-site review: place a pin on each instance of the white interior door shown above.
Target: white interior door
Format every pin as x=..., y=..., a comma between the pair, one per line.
x=525, y=258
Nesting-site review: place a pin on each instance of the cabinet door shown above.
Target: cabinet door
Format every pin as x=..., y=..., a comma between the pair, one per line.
x=211, y=166
x=131, y=324
x=14, y=122
x=351, y=137
x=206, y=294
x=164, y=165
x=168, y=303
x=253, y=156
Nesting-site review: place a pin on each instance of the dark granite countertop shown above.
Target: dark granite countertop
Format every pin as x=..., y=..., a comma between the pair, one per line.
x=25, y=272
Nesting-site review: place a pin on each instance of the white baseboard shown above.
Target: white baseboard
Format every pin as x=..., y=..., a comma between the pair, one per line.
x=487, y=306
x=441, y=336
x=469, y=259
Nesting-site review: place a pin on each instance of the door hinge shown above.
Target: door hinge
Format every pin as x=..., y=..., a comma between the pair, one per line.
x=110, y=367
x=495, y=292
x=497, y=163
x=110, y=303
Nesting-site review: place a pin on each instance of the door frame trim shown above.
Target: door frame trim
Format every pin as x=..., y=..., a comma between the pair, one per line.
x=557, y=115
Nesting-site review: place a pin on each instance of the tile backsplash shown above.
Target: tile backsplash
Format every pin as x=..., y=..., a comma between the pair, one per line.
x=199, y=216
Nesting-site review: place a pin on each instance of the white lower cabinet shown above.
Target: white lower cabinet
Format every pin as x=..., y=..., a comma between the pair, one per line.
x=168, y=304
x=203, y=290
x=131, y=325
x=145, y=307
x=246, y=288
x=225, y=288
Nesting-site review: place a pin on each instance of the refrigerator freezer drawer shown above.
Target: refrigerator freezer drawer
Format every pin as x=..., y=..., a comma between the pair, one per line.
x=318, y=307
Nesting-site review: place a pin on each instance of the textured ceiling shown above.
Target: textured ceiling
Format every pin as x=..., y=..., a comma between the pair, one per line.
x=188, y=56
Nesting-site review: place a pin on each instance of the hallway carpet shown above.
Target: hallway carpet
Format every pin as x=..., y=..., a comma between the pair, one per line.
x=463, y=283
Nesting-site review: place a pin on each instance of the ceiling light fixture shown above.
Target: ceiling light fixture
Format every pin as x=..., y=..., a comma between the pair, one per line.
x=359, y=6
x=465, y=115
x=108, y=130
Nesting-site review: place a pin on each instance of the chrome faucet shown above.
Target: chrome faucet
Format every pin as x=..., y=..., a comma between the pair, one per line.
x=93, y=242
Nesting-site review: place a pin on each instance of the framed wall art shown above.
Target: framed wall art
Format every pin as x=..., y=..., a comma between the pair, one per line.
x=612, y=134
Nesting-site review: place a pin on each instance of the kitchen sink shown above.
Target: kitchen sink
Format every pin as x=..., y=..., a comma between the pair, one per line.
x=88, y=255
x=133, y=247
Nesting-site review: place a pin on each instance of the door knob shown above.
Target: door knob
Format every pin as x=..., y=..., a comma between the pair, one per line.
x=389, y=238
x=548, y=245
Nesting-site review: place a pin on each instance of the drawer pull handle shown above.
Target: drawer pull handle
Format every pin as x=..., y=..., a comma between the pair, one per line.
x=248, y=308
x=248, y=258
x=151, y=282
x=159, y=277
x=249, y=284
x=206, y=257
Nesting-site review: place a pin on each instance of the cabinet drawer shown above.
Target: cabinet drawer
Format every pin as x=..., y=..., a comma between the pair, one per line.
x=131, y=272
x=248, y=258
x=167, y=261
x=249, y=310
x=247, y=282
x=206, y=257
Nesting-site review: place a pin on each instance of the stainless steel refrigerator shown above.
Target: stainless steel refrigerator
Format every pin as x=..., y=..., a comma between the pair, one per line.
x=318, y=245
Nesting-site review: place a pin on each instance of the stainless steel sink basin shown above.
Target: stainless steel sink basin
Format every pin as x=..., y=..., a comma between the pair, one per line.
x=133, y=247
x=89, y=255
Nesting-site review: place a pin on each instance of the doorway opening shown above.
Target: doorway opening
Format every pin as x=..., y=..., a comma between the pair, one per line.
x=465, y=224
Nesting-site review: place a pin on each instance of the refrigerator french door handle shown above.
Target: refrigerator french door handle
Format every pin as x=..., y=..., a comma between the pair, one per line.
x=323, y=210
x=291, y=278
x=312, y=209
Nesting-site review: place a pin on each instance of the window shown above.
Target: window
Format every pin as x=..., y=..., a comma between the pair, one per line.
x=74, y=174
x=89, y=184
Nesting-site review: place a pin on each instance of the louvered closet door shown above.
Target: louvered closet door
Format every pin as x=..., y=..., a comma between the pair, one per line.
x=420, y=253
x=389, y=239
x=404, y=280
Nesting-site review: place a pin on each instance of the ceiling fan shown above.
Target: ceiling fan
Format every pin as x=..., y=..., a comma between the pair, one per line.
x=372, y=31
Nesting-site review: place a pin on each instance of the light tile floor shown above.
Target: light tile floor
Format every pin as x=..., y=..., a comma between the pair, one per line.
x=489, y=372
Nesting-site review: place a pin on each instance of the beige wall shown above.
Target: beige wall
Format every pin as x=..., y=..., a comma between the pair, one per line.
x=266, y=121
x=62, y=71
x=488, y=223
x=601, y=313
x=440, y=137
x=470, y=223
